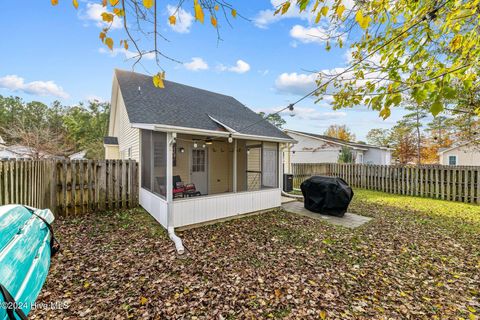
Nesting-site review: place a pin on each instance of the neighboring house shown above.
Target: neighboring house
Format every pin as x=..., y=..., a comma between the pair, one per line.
x=16, y=152
x=465, y=154
x=315, y=148
x=211, y=140
x=78, y=155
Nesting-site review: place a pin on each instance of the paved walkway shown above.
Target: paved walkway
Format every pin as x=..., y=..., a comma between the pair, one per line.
x=349, y=220
x=287, y=199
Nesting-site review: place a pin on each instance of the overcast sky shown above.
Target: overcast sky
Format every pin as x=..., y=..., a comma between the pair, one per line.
x=53, y=53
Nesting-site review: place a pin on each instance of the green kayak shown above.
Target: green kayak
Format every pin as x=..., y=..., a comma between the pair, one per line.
x=26, y=246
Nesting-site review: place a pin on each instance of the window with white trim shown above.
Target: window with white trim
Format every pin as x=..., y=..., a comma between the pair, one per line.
x=452, y=160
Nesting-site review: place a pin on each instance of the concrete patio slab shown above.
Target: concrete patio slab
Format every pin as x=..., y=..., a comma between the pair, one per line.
x=287, y=199
x=349, y=220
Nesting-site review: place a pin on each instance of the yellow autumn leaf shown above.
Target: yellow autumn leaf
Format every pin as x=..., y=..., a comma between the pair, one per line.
x=324, y=11
x=125, y=44
x=285, y=7
x=158, y=80
x=340, y=10
x=317, y=18
x=109, y=43
x=216, y=7
x=86, y=284
x=199, y=15
x=385, y=113
x=102, y=36
x=213, y=21
x=54, y=2
x=322, y=314
x=143, y=301
x=148, y=3
x=363, y=21
x=104, y=3
x=107, y=17
x=172, y=20
x=113, y=3
x=75, y=4
x=119, y=12
x=234, y=13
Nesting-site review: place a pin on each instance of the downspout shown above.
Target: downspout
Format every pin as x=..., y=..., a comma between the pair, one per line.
x=176, y=240
x=171, y=137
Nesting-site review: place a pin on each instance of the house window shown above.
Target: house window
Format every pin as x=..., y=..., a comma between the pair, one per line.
x=198, y=160
x=360, y=158
x=452, y=160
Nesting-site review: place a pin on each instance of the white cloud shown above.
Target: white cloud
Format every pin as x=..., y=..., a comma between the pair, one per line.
x=308, y=35
x=184, y=19
x=94, y=12
x=127, y=53
x=196, y=64
x=240, y=67
x=39, y=88
x=307, y=113
x=267, y=17
x=313, y=114
x=295, y=83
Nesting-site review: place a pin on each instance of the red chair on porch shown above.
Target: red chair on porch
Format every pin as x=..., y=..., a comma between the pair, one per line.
x=181, y=190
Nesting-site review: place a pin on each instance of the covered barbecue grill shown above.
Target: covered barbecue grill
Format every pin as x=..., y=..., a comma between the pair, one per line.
x=326, y=195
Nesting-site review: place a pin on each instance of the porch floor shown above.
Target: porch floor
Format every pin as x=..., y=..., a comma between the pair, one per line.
x=349, y=220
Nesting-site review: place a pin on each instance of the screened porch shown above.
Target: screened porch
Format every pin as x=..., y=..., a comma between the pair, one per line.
x=208, y=175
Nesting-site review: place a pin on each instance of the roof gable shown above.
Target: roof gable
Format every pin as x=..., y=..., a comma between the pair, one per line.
x=184, y=106
x=338, y=141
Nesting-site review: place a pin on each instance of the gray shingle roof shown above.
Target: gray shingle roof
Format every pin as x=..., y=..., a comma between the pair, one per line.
x=328, y=138
x=110, y=140
x=184, y=106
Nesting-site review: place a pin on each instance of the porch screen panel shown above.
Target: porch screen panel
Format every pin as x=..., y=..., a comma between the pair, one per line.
x=269, y=165
x=159, y=141
x=146, y=164
x=254, y=165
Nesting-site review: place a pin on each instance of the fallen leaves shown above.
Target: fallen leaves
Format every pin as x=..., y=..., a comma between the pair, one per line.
x=402, y=265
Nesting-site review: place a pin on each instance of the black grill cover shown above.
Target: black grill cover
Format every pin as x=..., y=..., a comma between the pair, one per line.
x=326, y=195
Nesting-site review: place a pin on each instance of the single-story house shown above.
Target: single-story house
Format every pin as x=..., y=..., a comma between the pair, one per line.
x=186, y=134
x=316, y=148
x=464, y=154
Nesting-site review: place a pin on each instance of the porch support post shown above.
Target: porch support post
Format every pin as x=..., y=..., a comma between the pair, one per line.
x=169, y=179
x=235, y=165
x=280, y=165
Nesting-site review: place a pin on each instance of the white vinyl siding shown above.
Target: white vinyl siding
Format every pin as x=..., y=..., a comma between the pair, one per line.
x=467, y=155
x=128, y=137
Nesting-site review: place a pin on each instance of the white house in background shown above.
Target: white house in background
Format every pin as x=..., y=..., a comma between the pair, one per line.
x=78, y=155
x=211, y=140
x=315, y=148
x=465, y=154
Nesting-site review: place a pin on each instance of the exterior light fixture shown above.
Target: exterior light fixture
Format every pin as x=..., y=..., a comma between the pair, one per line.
x=195, y=144
x=203, y=145
x=208, y=141
x=182, y=149
x=230, y=139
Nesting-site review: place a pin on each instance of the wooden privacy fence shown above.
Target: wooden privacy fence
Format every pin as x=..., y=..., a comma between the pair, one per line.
x=454, y=183
x=70, y=187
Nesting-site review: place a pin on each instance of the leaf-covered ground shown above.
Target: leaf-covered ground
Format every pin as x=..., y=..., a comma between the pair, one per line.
x=417, y=259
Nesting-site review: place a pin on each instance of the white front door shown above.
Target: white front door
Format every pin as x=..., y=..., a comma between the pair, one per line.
x=199, y=169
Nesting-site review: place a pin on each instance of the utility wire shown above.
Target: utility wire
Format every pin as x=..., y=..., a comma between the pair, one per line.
x=428, y=15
